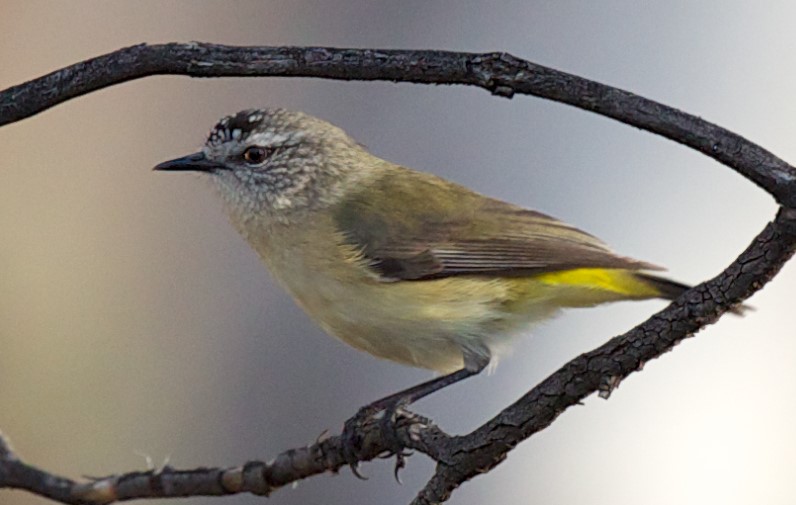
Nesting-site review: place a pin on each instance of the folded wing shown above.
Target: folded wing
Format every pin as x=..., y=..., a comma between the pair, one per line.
x=414, y=226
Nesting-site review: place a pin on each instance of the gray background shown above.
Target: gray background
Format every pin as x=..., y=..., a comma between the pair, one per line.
x=133, y=320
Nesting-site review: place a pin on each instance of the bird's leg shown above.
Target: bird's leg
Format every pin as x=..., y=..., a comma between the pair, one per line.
x=474, y=363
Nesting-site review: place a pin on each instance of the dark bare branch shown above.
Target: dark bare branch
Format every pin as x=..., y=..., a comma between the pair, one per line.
x=500, y=73
x=256, y=477
x=458, y=458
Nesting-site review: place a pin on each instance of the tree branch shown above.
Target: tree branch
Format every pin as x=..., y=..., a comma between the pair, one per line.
x=500, y=73
x=458, y=458
x=256, y=477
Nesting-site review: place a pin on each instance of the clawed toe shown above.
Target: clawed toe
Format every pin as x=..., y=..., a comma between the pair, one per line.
x=400, y=462
x=390, y=432
x=352, y=439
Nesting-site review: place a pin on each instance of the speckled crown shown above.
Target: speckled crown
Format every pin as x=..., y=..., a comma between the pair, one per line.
x=237, y=127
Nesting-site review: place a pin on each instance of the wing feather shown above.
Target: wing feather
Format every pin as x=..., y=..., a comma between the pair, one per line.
x=454, y=231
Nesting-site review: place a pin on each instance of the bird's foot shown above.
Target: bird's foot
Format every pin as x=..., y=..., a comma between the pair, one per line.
x=352, y=437
x=389, y=430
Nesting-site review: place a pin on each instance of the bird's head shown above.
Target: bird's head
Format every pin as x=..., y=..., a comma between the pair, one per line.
x=274, y=161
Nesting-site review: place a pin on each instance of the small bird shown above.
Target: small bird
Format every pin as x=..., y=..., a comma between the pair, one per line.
x=398, y=263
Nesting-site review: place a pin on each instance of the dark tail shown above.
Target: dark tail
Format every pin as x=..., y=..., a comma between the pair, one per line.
x=671, y=290
x=668, y=289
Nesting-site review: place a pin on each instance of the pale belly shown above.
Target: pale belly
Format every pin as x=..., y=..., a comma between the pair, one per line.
x=428, y=324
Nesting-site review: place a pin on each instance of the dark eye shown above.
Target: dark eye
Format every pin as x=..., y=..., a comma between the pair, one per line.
x=255, y=155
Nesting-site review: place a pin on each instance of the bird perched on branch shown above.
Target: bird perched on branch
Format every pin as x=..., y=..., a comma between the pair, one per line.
x=402, y=264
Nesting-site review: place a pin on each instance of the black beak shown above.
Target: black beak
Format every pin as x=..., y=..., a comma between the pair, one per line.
x=193, y=162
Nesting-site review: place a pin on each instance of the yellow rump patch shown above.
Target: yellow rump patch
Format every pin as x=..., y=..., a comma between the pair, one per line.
x=621, y=282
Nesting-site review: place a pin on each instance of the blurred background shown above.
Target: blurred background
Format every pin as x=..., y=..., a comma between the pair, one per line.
x=135, y=323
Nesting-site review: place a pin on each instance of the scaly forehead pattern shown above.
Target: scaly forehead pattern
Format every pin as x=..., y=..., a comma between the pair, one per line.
x=237, y=127
x=281, y=124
